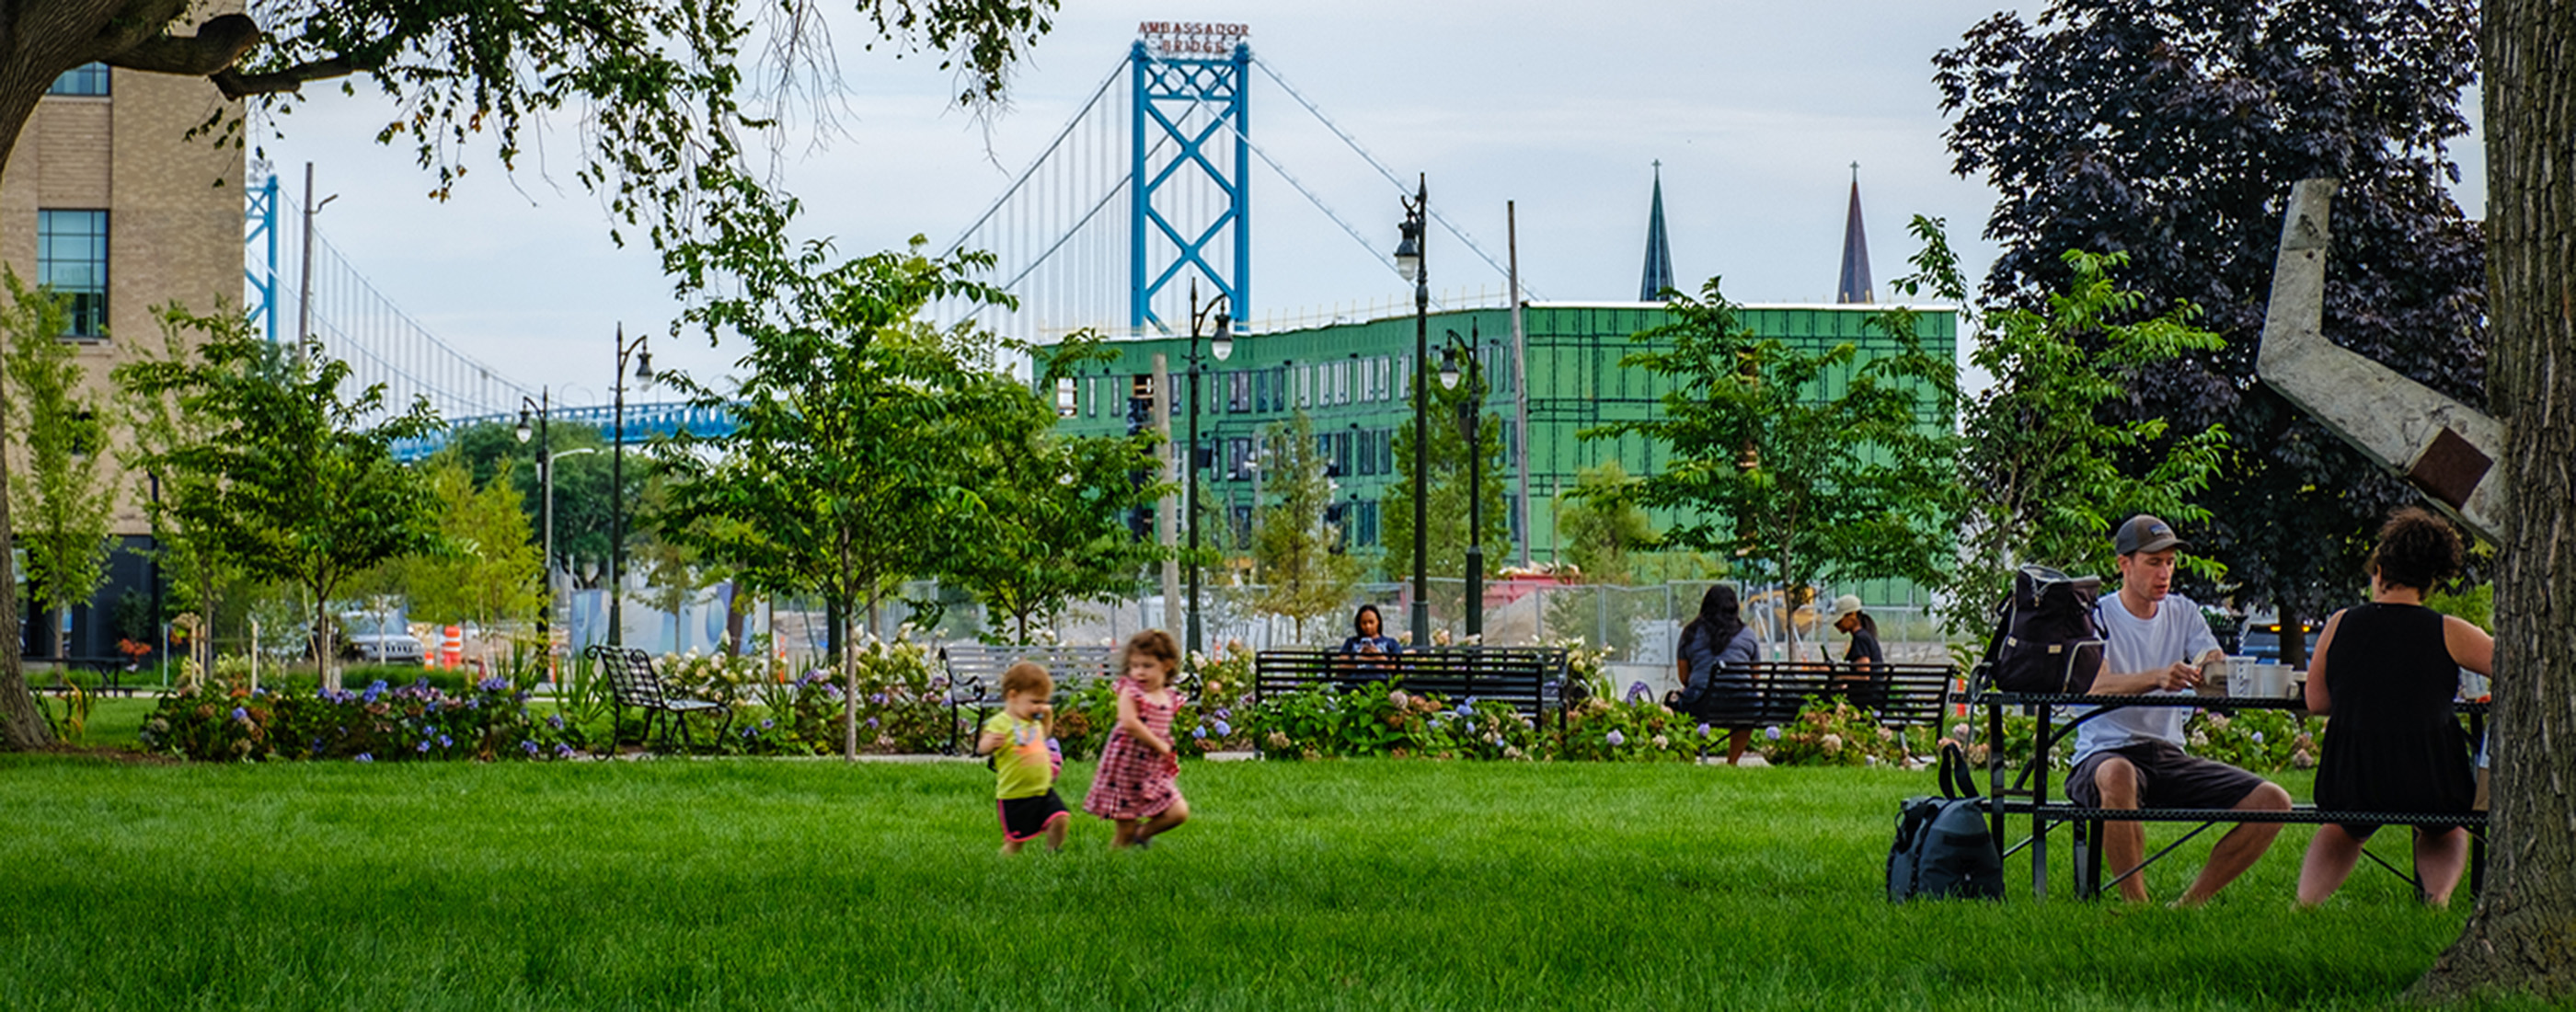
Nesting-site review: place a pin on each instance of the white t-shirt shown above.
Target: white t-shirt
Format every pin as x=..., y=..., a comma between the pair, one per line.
x=2177, y=633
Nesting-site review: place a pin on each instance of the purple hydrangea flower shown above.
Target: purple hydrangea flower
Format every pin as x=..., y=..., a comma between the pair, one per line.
x=767, y=724
x=1772, y=733
x=563, y=750
x=366, y=757
x=445, y=741
x=1223, y=729
x=240, y=714
x=1199, y=733
x=1703, y=730
x=1617, y=739
x=555, y=720
x=530, y=746
x=1637, y=691
x=492, y=684
x=424, y=746
x=872, y=723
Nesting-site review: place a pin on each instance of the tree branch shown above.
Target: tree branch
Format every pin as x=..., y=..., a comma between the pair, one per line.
x=239, y=85
x=218, y=44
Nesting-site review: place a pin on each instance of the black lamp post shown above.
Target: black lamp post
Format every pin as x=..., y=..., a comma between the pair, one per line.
x=617, y=481
x=1471, y=423
x=1222, y=347
x=543, y=408
x=1408, y=262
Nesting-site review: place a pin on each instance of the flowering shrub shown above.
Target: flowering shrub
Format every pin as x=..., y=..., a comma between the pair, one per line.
x=1374, y=720
x=901, y=703
x=2263, y=741
x=1830, y=732
x=1633, y=728
x=225, y=720
x=731, y=679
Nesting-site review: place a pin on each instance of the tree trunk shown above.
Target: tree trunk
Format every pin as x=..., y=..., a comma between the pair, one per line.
x=2293, y=638
x=2519, y=938
x=21, y=727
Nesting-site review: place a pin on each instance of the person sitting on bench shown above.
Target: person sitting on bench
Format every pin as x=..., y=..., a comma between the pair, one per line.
x=1716, y=683
x=2130, y=757
x=2388, y=671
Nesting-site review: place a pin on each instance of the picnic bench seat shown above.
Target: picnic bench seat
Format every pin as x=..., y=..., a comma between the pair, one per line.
x=111, y=672
x=975, y=676
x=1531, y=680
x=1901, y=695
x=2028, y=793
x=634, y=681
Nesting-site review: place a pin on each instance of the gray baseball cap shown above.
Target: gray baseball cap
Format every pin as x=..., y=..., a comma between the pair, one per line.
x=2143, y=533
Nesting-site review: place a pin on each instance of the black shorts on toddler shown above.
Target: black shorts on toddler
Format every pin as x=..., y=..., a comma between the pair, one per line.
x=1025, y=819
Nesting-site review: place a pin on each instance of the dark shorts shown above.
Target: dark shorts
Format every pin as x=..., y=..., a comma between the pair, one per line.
x=2167, y=778
x=1027, y=818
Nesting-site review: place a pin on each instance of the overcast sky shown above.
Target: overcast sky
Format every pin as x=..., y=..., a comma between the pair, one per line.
x=1756, y=110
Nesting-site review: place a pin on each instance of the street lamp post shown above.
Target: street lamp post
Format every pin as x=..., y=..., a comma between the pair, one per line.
x=543, y=407
x=1471, y=423
x=617, y=481
x=1222, y=347
x=1408, y=262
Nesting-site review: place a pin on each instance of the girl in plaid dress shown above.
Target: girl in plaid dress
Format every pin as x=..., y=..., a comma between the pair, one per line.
x=1137, y=785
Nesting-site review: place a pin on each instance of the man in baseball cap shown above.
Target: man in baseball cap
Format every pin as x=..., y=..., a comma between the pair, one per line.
x=2133, y=756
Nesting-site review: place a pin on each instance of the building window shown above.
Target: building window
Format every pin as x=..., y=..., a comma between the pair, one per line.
x=71, y=258
x=86, y=79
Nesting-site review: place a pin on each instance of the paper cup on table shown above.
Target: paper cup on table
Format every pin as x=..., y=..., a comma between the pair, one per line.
x=2271, y=681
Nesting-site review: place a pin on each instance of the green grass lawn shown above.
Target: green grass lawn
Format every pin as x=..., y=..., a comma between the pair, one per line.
x=814, y=884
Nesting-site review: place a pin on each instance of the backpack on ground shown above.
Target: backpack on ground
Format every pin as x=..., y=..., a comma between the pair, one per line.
x=1943, y=849
x=2045, y=639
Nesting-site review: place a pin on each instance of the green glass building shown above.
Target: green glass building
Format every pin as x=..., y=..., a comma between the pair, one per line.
x=1354, y=380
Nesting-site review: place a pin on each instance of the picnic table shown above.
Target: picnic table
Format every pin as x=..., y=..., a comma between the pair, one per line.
x=2027, y=794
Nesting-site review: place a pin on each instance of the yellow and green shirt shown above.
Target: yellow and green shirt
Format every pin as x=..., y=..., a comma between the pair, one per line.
x=1024, y=767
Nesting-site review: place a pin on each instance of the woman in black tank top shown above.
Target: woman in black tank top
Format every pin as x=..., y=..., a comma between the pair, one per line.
x=2386, y=672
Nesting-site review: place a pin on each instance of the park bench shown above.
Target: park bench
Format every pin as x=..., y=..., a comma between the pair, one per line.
x=1901, y=695
x=975, y=676
x=1531, y=680
x=633, y=681
x=2028, y=793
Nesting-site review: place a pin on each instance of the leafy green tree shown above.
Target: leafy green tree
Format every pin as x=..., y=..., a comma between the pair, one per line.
x=2172, y=131
x=1602, y=535
x=64, y=519
x=2046, y=475
x=297, y=487
x=1447, y=512
x=1810, y=466
x=1061, y=505
x=1296, y=555
x=485, y=568
x=660, y=86
x=861, y=434
x=192, y=560
x=1600, y=531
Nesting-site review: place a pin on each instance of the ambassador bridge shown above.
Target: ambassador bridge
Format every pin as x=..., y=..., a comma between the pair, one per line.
x=1146, y=191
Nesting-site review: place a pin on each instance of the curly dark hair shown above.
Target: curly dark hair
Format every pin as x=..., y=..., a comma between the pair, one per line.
x=1156, y=644
x=2416, y=549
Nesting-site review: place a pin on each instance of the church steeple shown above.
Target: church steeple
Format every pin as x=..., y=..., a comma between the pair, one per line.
x=1659, y=251
x=1854, y=286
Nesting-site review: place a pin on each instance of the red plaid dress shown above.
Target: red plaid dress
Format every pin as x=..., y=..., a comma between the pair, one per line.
x=1134, y=781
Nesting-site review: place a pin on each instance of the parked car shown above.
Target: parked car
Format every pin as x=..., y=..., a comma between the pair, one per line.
x=379, y=637
x=2261, y=639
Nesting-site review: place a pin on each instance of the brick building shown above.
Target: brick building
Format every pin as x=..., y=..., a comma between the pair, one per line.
x=107, y=199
